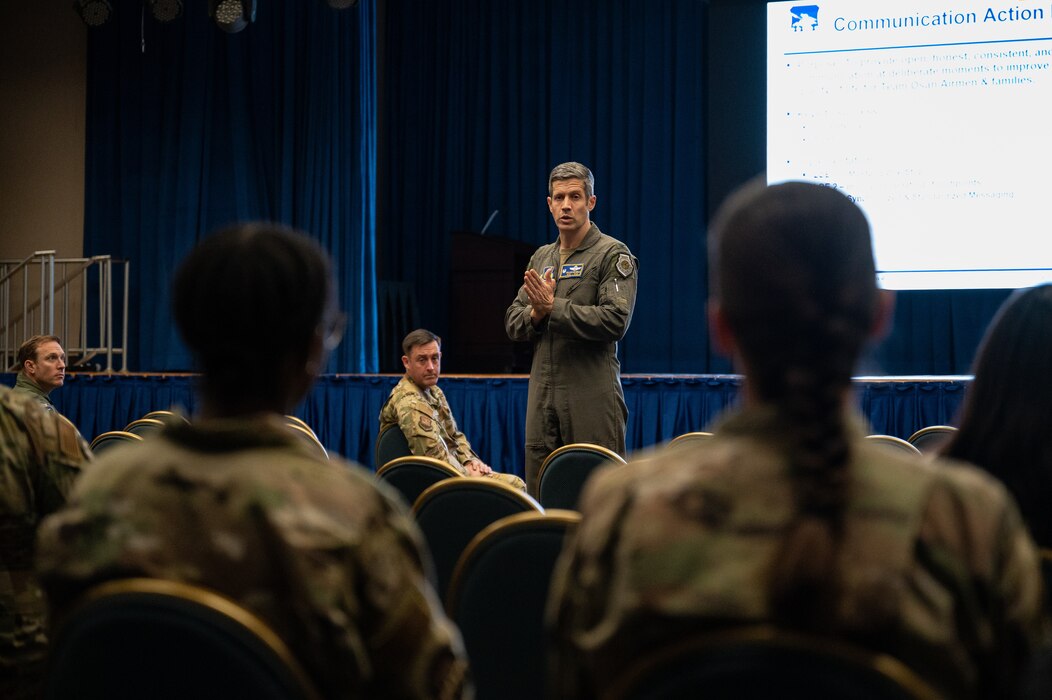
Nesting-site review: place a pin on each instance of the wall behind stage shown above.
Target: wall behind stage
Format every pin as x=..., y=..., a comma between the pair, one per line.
x=42, y=88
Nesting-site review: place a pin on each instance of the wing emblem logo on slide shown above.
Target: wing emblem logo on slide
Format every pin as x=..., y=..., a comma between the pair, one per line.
x=804, y=17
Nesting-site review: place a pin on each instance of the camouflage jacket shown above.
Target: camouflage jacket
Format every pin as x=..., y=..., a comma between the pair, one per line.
x=935, y=568
x=42, y=454
x=315, y=548
x=427, y=423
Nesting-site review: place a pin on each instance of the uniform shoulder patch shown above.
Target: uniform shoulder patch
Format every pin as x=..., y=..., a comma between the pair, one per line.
x=625, y=265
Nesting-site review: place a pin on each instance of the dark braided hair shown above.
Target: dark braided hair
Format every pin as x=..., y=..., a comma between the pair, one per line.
x=792, y=269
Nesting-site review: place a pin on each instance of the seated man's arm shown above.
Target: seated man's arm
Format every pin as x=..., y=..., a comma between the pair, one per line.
x=420, y=425
x=461, y=447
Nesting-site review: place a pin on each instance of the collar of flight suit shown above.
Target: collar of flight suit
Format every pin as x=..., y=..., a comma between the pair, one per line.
x=589, y=240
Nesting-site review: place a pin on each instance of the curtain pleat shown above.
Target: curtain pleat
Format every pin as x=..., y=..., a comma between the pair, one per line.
x=190, y=129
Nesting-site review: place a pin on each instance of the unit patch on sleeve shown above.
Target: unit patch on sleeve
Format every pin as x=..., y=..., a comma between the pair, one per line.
x=624, y=264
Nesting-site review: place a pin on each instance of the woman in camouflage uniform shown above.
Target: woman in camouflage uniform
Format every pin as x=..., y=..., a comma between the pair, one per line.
x=789, y=516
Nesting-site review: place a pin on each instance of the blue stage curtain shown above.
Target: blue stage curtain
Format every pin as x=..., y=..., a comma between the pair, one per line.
x=344, y=409
x=483, y=98
x=190, y=129
x=902, y=407
x=936, y=332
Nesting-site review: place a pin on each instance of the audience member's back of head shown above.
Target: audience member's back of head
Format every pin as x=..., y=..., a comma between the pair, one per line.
x=793, y=278
x=1004, y=422
x=234, y=502
x=254, y=303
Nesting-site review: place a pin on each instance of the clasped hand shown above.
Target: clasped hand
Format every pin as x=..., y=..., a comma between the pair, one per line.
x=540, y=292
x=477, y=467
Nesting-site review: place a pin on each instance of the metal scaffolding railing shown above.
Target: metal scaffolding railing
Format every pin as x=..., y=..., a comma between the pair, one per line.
x=72, y=298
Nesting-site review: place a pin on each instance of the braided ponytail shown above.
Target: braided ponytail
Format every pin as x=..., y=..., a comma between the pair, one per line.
x=794, y=275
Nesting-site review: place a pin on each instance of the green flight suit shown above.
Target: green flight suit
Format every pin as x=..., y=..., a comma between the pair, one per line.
x=575, y=390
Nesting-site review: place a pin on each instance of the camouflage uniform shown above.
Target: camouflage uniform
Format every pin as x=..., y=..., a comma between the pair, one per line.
x=575, y=390
x=23, y=385
x=936, y=567
x=40, y=456
x=429, y=427
x=313, y=547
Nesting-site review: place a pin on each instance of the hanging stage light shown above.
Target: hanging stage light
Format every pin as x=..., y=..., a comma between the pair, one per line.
x=165, y=10
x=95, y=13
x=232, y=15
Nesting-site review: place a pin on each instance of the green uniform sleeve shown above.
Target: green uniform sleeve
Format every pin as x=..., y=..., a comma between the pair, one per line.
x=450, y=433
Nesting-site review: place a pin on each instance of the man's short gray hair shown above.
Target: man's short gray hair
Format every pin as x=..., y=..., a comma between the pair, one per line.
x=573, y=171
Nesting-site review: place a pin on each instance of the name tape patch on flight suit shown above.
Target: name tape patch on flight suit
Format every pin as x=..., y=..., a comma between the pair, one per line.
x=624, y=264
x=571, y=270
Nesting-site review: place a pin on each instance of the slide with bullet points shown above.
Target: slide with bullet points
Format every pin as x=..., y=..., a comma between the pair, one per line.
x=935, y=117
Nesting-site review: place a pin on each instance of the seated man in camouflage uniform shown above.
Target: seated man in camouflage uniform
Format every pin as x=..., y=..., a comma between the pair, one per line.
x=40, y=456
x=420, y=409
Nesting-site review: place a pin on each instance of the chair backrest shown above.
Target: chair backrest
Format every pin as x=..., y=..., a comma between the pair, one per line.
x=412, y=475
x=510, y=561
x=308, y=436
x=894, y=443
x=929, y=440
x=164, y=416
x=763, y=662
x=148, y=638
x=112, y=438
x=451, y=512
x=144, y=426
x=391, y=444
x=301, y=423
x=695, y=436
x=564, y=471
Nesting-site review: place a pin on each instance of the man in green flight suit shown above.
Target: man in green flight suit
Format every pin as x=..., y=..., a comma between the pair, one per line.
x=575, y=303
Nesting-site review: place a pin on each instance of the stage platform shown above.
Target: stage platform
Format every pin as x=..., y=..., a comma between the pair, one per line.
x=491, y=409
